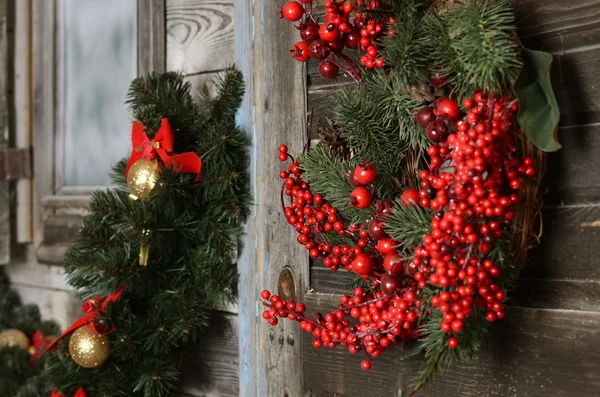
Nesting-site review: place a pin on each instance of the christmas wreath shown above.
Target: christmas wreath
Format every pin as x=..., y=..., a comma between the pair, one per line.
x=425, y=180
x=158, y=251
x=23, y=338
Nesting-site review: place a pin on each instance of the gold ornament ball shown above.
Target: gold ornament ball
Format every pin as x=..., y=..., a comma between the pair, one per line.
x=89, y=348
x=142, y=178
x=14, y=337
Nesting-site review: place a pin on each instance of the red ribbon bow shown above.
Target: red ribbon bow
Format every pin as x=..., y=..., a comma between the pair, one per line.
x=39, y=343
x=162, y=144
x=80, y=393
x=93, y=308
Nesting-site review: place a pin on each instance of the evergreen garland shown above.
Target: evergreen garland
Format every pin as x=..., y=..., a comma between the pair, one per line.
x=20, y=376
x=192, y=229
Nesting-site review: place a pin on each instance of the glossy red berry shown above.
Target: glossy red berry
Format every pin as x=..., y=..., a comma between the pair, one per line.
x=450, y=108
x=319, y=49
x=361, y=197
x=310, y=32
x=452, y=342
x=362, y=265
x=437, y=132
x=329, y=33
x=265, y=294
x=352, y=179
x=409, y=197
x=386, y=246
x=392, y=264
x=366, y=365
x=425, y=116
x=390, y=284
x=283, y=149
x=300, y=52
x=365, y=173
x=328, y=69
x=292, y=11
x=376, y=229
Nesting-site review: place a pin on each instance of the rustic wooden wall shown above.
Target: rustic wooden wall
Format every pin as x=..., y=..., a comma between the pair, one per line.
x=548, y=343
x=200, y=44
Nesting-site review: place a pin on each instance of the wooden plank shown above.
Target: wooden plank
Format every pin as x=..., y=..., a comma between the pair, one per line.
x=151, y=35
x=200, y=35
x=22, y=120
x=531, y=353
x=540, y=16
x=273, y=113
x=211, y=366
x=5, y=232
x=44, y=115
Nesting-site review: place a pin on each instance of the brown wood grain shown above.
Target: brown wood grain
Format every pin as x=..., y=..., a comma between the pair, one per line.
x=211, y=366
x=5, y=218
x=533, y=352
x=200, y=35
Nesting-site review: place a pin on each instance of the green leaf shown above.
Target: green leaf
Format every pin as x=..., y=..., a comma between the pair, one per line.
x=412, y=348
x=538, y=110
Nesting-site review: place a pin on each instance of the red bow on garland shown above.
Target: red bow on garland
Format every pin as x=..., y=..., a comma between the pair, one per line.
x=80, y=393
x=39, y=343
x=162, y=144
x=93, y=308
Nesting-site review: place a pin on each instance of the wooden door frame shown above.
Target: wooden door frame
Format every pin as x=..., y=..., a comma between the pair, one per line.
x=273, y=112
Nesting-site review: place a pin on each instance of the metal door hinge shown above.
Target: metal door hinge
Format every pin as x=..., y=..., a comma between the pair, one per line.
x=15, y=163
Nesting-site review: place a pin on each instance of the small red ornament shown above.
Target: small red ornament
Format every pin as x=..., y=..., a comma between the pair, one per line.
x=386, y=246
x=328, y=69
x=450, y=108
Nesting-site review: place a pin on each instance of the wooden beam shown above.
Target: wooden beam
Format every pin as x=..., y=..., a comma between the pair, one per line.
x=273, y=112
x=5, y=240
x=151, y=34
x=44, y=86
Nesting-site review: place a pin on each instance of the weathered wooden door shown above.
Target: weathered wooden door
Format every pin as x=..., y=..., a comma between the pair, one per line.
x=548, y=343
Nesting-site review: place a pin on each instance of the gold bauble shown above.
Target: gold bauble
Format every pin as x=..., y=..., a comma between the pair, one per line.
x=14, y=337
x=89, y=348
x=142, y=178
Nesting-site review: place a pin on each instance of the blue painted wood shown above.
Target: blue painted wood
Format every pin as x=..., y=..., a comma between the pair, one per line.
x=273, y=112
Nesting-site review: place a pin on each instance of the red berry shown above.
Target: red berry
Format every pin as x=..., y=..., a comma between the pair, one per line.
x=437, y=132
x=409, y=197
x=437, y=80
x=452, y=342
x=362, y=265
x=376, y=229
x=352, y=40
x=425, y=116
x=390, y=284
x=449, y=107
x=319, y=49
x=292, y=11
x=300, y=52
x=366, y=365
x=310, y=32
x=328, y=69
x=361, y=197
x=352, y=179
x=283, y=156
x=386, y=246
x=305, y=1
x=265, y=294
x=283, y=149
x=392, y=263
x=329, y=33
x=365, y=173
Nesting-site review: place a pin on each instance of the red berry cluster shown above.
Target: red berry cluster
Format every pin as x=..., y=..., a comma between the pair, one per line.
x=383, y=321
x=471, y=189
x=344, y=27
x=472, y=170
